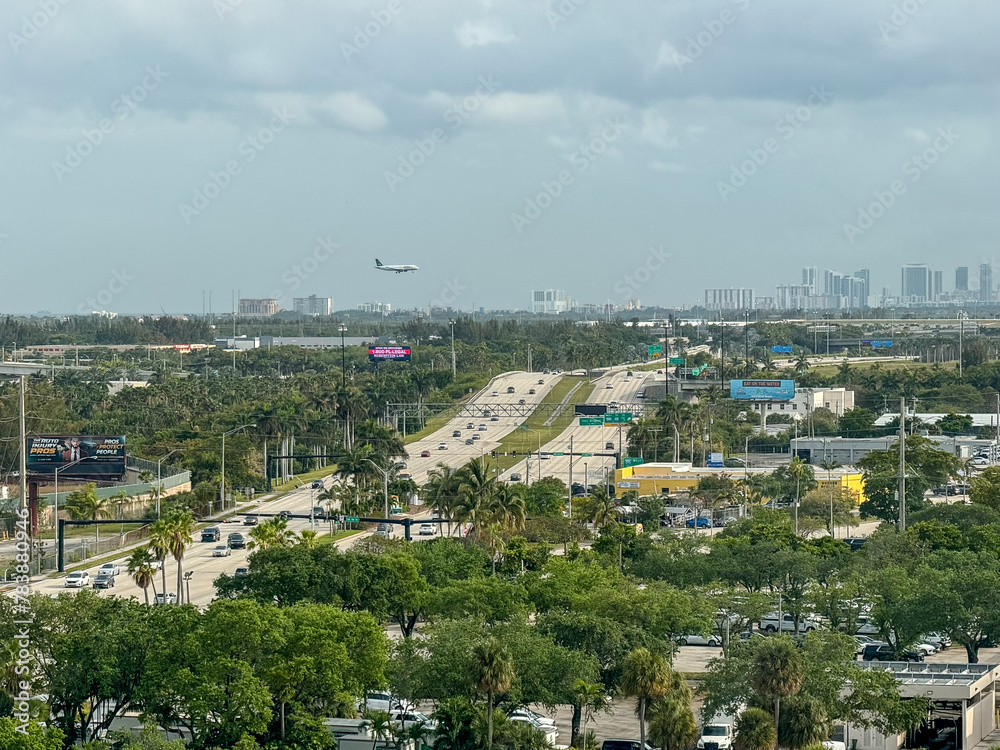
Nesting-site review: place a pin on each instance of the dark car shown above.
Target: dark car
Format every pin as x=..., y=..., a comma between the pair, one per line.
x=318, y=512
x=250, y=520
x=211, y=534
x=104, y=580
x=698, y=523
x=578, y=489
x=623, y=745
x=856, y=543
x=241, y=572
x=285, y=515
x=236, y=541
x=885, y=652
x=318, y=484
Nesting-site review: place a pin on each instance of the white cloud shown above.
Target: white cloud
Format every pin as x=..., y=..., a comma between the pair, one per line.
x=512, y=108
x=349, y=109
x=667, y=57
x=656, y=131
x=483, y=33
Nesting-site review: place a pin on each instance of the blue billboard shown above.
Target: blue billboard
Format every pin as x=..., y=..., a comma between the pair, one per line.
x=781, y=349
x=762, y=390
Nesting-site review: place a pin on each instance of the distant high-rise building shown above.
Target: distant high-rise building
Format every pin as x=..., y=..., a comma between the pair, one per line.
x=985, y=282
x=938, y=284
x=729, y=299
x=810, y=277
x=258, y=308
x=792, y=296
x=313, y=305
x=916, y=283
x=864, y=275
x=550, y=301
x=962, y=279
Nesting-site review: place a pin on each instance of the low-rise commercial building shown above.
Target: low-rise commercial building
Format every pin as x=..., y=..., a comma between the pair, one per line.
x=847, y=451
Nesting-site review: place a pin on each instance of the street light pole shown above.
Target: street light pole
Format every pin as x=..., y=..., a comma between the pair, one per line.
x=454, y=369
x=222, y=483
x=385, y=485
x=159, y=481
x=343, y=358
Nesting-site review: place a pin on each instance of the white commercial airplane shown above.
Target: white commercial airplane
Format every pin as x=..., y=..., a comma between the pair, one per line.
x=398, y=269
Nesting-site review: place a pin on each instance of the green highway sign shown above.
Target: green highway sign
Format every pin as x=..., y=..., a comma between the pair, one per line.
x=676, y=361
x=586, y=455
x=591, y=421
x=654, y=350
x=558, y=454
x=631, y=461
x=618, y=417
x=351, y=519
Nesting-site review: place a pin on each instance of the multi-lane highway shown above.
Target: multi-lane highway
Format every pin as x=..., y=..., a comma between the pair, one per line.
x=205, y=568
x=595, y=440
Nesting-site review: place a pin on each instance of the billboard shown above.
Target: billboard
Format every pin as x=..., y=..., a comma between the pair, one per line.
x=781, y=349
x=762, y=390
x=715, y=461
x=100, y=456
x=388, y=354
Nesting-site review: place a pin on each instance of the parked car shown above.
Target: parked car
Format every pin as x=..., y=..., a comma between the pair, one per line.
x=550, y=732
x=536, y=717
x=211, y=534
x=77, y=580
x=381, y=701
x=241, y=572
x=624, y=745
x=236, y=541
x=104, y=581
x=698, y=640
x=884, y=652
x=698, y=523
x=769, y=624
x=109, y=568
x=411, y=717
x=425, y=454
x=221, y=550
x=168, y=598
x=426, y=529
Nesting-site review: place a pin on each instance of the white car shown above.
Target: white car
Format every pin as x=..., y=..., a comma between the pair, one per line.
x=609, y=386
x=442, y=446
x=538, y=718
x=77, y=580
x=411, y=718
x=496, y=393
x=381, y=701
x=221, y=550
x=109, y=568
x=426, y=529
x=550, y=732
x=169, y=598
x=698, y=640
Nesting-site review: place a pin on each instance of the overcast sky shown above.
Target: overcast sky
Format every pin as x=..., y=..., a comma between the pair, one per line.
x=151, y=151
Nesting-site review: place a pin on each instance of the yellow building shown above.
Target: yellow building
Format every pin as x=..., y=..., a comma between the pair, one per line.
x=668, y=479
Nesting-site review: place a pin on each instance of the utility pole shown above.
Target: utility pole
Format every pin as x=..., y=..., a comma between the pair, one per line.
x=902, y=463
x=961, y=330
x=453, y=367
x=722, y=349
x=23, y=507
x=571, y=477
x=746, y=343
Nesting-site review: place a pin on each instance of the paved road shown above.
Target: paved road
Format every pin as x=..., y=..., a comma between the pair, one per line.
x=595, y=440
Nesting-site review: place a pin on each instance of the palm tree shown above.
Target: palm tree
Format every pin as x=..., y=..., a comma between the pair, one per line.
x=803, y=722
x=85, y=505
x=159, y=547
x=754, y=730
x=442, y=487
x=379, y=725
x=272, y=533
x=797, y=470
x=494, y=674
x=777, y=671
x=645, y=677
x=802, y=363
x=828, y=465
x=588, y=696
x=309, y=538
x=506, y=504
x=603, y=510
x=140, y=567
x=181, y=527
x=672, y=725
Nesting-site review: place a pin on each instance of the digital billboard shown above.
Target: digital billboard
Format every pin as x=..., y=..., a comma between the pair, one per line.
x=98, y=455
x=781, y=349
x=762, y=390
x=388, y=354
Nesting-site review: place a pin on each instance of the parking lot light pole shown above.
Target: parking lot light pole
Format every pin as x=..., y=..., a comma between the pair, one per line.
x=222, y=483
x=187, y=583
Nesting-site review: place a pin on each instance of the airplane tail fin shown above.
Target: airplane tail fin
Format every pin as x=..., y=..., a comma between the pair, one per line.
x=378, y=262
